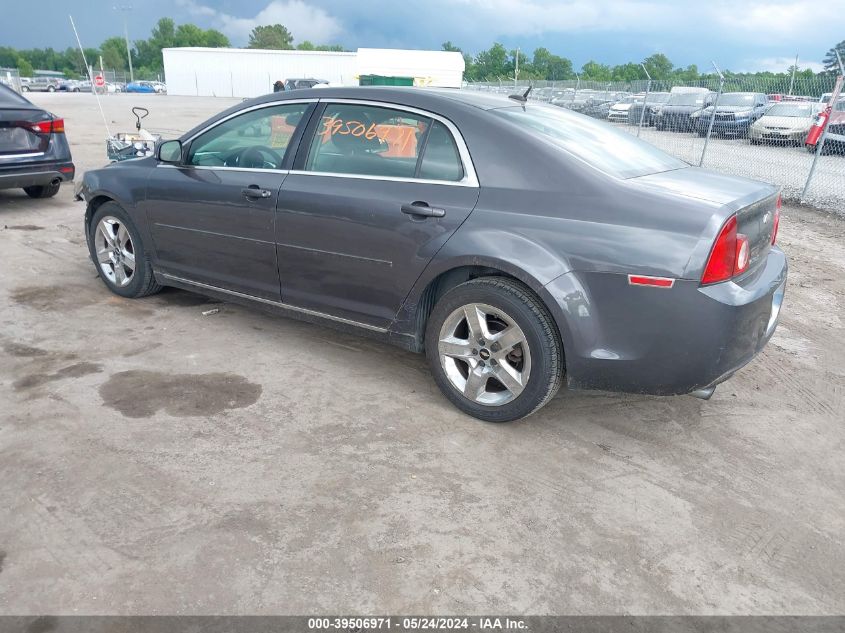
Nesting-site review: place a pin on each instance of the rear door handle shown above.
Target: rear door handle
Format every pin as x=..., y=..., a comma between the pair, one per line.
x=422, y=209
x=254, y=191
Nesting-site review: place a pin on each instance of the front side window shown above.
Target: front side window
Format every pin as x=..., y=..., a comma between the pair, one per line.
x=254, y=140
x=374, y=141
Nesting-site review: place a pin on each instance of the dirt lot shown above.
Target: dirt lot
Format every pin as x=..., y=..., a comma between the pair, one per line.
x=155, y=460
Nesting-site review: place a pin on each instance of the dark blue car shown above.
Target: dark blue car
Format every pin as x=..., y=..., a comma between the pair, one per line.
x=735, y=112
x=34, y=152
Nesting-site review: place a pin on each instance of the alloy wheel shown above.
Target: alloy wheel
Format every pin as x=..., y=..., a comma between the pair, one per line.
x=484, y=354
x=115, y=251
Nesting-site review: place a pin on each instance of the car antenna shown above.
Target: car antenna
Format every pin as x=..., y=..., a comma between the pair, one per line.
x=90, y=77
x=522, y=98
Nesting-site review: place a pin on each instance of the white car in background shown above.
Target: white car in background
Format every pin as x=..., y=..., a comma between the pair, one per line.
x=159, y=87
x=785, y=122
x=619, y=110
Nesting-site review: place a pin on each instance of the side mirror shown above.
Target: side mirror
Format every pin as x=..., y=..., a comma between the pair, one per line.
x=169, y=152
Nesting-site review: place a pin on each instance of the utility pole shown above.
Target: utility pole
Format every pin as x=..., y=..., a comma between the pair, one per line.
x=124, y=8
x=516, y=68
x=794, y=70
x=645, y=99
x=712, y=114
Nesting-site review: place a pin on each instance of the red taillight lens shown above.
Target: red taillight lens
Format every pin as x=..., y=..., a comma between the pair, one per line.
x=776, y=222
x=54, y=126
x=730, y=255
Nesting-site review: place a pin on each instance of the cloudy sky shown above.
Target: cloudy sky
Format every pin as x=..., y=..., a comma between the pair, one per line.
x=738, y=34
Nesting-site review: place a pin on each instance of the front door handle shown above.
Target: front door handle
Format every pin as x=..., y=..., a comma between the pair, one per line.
x=254, y=191
x=422, y=209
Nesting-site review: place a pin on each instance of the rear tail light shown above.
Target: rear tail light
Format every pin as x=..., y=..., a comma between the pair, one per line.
x=54, y=126
x=776, y=223
x=730, y=255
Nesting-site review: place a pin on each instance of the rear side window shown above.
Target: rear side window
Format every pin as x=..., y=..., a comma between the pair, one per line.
x=440, y=160
x=374, y=141
x=368, y=141
x=604, y=147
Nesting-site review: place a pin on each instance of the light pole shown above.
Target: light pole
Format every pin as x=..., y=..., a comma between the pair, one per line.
x=124, y=8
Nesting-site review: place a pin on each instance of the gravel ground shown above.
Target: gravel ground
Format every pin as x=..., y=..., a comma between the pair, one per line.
x=154, y=460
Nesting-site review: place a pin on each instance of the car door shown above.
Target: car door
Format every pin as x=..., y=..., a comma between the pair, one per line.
x=212, y=215
x=375, y=192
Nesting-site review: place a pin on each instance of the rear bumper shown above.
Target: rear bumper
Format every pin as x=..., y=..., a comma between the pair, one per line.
x=724, y=128
x=664, y=341
x=33, y=175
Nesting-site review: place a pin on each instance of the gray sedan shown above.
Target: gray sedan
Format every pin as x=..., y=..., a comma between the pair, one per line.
x=517, y=245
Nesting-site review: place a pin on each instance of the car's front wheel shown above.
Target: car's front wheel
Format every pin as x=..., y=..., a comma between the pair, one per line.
x=117, y=251
x=494, y=349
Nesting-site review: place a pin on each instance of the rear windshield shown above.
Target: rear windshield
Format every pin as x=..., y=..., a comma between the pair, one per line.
x=11, y=99
x=601, y=145
x=792, y=109
x=686, y=98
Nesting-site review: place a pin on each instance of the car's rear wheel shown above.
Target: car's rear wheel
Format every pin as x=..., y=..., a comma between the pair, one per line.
x=118, y=252
x=24, y=89
x=42, y=191
x=494, y=349
x=51, y=89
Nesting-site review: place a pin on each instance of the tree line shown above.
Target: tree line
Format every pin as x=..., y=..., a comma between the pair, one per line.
x=488, y=65
x=498, y=63
x=147, y=60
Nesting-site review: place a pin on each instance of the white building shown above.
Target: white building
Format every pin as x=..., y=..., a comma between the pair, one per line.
x=248, y=72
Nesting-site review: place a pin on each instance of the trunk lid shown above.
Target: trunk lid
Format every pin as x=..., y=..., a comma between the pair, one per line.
x=753, y=202
x=18, y=138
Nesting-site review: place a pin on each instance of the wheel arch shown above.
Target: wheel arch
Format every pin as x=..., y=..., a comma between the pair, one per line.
x=413, y=316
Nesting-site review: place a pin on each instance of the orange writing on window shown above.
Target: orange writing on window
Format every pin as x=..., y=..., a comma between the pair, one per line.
x=401, y=140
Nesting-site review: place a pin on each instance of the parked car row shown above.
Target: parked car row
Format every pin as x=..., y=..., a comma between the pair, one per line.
x=53, y=84
x=762, y=118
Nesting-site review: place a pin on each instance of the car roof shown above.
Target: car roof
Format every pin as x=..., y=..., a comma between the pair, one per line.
x=422, y=97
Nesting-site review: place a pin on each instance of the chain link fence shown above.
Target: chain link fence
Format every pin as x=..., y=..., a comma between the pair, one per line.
x=11, y=77
x=758, y=127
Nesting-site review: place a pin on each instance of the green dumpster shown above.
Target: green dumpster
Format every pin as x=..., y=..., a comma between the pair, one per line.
x=381, y=80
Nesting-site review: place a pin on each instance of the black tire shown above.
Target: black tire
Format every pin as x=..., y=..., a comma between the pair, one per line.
x=42, y=191
x=24, y=88
x=524, y=308
x=143, y=282
x=51, y=89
